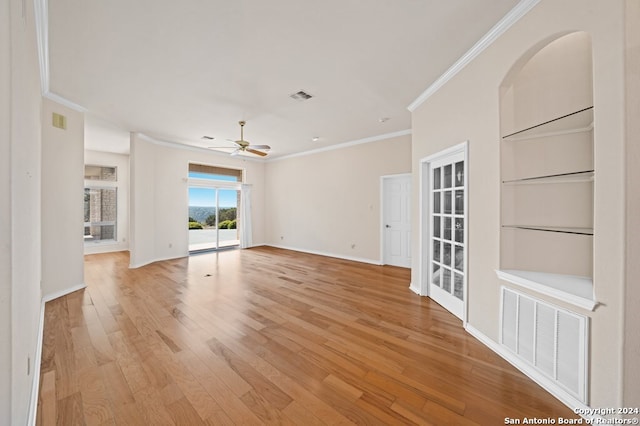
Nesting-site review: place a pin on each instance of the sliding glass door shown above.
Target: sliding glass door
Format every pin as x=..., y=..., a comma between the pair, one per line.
x=212, y=217
x=228, y=218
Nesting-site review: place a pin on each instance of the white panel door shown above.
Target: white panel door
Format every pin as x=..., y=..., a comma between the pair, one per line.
x=396, y=219
x=447, y=245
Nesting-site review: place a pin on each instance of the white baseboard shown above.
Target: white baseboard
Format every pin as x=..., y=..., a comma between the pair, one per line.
x=35, y=371
x=160, y=259
x=37, y=356
x=415, y=289
x=105, y=248
x=48, y=297
x=321, y=253
x=568, y=400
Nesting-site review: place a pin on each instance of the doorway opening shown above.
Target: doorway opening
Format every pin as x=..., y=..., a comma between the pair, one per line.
x=214, y=202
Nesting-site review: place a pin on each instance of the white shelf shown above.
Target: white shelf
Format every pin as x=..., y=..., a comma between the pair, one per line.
x=577, y=122
x=576, y=177
x=560, y=229
x=572, y=289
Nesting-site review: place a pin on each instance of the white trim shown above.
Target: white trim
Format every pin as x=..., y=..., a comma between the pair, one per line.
x=105, y=247
x=414, y=289
x=548, y=134
x=41, y=12
x=37, y=358
x=49, y=297
x=63, y=101
x=344, y=145
x=397, y=175
x=568, y=400
x=42, y=36
x=35, y=370
x=445, y=152
x=514, y=15
x=325, y=254
x=545, y=282
x=160, y=259
x=424, y=207
x=185, y=147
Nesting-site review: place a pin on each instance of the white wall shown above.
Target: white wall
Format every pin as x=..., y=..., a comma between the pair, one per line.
x=121, y=162
x=5, y=212
x=632, y=295
x=159, y=197
x=328, y=201
x=19, y=209
x=467, y=108
x=62, y=201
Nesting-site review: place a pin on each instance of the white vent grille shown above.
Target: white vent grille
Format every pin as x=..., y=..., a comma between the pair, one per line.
x=300, y=96
x=552, y=340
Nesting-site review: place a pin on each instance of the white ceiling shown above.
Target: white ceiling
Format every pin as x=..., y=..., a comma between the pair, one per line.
x=178, y=70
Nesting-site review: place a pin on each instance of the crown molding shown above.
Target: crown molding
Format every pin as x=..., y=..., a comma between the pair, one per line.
x=514, y=15
x=41, y=12
x=344, y=145
x=63, y=101
x=184, y=147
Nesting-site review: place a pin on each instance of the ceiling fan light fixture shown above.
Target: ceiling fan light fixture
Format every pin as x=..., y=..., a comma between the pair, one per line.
x=243, y=146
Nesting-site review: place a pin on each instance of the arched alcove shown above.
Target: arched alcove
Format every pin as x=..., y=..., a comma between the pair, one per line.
x=546, y=239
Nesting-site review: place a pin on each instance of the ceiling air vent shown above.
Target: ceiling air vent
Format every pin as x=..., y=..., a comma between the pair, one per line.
x=300, y=96
x=208, y=138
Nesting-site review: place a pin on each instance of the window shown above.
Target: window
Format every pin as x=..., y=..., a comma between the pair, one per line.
x=202, y=171
x=100, y=204
x=100, y=173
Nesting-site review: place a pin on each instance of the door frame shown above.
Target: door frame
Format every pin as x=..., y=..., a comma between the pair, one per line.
x=424, y=249
x=216, y=185
x=382, y=217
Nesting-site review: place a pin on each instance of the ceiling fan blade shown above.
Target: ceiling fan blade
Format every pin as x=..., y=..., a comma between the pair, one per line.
x=260, y=147
x=253, y=151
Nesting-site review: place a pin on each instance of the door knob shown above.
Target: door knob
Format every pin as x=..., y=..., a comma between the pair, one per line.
x=387, y=226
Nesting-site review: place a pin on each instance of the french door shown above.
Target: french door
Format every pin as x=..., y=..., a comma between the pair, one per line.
x=446, y=221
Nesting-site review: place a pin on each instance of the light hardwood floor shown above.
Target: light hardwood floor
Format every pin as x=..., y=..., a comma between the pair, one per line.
x=267, y=336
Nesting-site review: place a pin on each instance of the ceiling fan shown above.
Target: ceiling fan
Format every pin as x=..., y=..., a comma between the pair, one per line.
x=245, y=146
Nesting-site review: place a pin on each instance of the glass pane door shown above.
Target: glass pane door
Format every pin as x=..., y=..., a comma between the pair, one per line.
x=447, y=245
x=212, y=218
x=202, y=219
x=228, y=218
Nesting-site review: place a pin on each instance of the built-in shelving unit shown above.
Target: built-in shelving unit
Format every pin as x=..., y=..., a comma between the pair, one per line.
x=573, y=289
x=571, y=177
x=580, y=121
x=561, y=229
x=547, y=208
x=547, y=228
